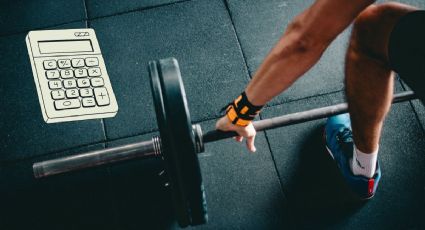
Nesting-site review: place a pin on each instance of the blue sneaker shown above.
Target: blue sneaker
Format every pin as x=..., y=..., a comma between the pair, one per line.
x=339, y=144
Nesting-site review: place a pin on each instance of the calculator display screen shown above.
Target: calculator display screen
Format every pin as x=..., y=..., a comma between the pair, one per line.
x=65, y=46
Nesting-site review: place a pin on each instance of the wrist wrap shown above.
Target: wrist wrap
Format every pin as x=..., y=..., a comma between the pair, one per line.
x=241, y=112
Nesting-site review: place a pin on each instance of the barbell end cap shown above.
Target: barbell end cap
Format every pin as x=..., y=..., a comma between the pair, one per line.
x=38, y=171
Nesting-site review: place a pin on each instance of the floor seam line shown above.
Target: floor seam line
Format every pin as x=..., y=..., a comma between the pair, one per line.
x=11, y=162
x=417, y=116
x=86, y=11
x=105, y=143
x=272, y=106
x=226, y=4
x=105, y=133
x=285, y=196
x=139, y=9
x=42, y=27
x=304, y=98
x=134, y=135
x=412, y=106
x=94, y=18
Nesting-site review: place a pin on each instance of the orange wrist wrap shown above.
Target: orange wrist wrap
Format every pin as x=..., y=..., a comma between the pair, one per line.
x=241, y=112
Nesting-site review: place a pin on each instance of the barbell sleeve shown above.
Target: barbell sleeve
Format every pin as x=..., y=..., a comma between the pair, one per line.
x=146, y=149
x=296, y=118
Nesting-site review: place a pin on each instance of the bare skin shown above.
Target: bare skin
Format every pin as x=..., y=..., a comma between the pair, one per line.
x=302, y=45
x=368, y=76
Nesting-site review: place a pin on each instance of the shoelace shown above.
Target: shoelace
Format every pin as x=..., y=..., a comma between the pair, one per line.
x=345, y=138
x=345, y=135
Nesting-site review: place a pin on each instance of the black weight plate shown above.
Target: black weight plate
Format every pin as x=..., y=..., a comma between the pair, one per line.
x=180, y=127
x=178, y=142
x=176, y=184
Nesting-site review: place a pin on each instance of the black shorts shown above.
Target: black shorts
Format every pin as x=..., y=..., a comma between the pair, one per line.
x=406, y=51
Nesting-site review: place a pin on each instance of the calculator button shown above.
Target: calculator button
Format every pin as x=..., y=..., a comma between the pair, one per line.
x=89, y=102
x=96, y=82
x=58, y=94
x=72, y=93
x=81, y=73
x=94, y=72
x=70, y=83
x=52, y=74
x=86, y=92
x=64, y=63
x=83, y=83
x=67, y=104
x=92, y=61
x=77, y=62
x=102, y=97
x=55, y=84
x=67, y=73
x=49, y=64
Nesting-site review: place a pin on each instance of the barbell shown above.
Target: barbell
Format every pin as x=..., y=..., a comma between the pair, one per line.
x=179, y=142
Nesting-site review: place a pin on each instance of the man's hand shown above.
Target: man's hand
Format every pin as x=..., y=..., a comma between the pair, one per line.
x=248, y=132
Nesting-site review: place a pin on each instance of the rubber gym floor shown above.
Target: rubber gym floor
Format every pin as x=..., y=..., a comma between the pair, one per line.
x=290, y=183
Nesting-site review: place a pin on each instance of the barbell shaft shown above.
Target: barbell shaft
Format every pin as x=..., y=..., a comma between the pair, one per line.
x=149, y=149
x=296, y=118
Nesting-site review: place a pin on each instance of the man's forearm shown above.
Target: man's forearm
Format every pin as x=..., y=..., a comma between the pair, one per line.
x=302, y=45
x=286, y=62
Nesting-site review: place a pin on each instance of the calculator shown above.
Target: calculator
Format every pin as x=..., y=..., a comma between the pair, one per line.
x=70, y=75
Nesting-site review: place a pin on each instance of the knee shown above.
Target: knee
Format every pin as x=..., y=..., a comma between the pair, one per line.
x=372, y=29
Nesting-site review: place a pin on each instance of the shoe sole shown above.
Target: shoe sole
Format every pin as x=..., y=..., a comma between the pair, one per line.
x=333, y=158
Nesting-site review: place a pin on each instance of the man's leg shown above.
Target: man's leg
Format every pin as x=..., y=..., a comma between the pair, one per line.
x=369, y=80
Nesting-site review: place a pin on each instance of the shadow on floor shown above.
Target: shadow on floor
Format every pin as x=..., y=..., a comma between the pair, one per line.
x=124, y=196
x=317, y=194
x=140, y=197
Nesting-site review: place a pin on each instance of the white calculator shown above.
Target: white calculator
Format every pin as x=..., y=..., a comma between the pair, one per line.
x=70, y=75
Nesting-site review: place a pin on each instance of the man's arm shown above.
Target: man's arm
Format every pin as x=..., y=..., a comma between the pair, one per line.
x=300, y=47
